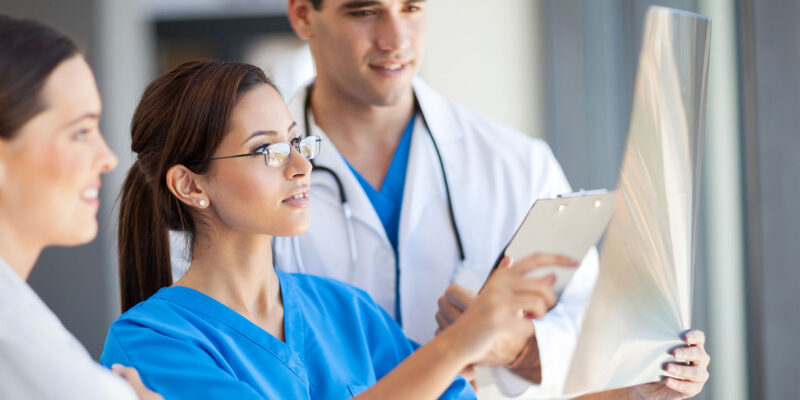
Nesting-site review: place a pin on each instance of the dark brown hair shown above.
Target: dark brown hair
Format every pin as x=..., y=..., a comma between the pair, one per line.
x=182, y=117
x=29, y=52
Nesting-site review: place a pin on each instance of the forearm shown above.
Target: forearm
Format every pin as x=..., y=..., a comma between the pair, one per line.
x=425, y=374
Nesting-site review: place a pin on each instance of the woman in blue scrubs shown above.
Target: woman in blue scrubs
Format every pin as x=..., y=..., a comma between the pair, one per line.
x=218, y=156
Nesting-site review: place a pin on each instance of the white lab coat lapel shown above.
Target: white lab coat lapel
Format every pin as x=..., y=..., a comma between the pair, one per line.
x=424, y=174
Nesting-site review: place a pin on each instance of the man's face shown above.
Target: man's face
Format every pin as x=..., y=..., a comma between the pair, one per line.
x=368, y=50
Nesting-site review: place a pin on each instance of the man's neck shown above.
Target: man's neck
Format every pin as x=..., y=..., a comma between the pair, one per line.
x=367, y=135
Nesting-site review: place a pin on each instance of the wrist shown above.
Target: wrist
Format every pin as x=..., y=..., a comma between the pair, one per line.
x=515, y=363
x=450, y=344
x=528, y=364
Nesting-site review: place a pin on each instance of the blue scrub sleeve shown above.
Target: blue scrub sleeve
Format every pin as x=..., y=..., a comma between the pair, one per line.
x=174, y=368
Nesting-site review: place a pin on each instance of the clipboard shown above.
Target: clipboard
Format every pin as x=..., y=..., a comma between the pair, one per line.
x=569, y=225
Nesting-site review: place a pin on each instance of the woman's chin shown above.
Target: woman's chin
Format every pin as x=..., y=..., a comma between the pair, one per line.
x=77, y=237
x=294, y=228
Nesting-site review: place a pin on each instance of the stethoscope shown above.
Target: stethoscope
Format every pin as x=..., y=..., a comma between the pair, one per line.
x=347, y=212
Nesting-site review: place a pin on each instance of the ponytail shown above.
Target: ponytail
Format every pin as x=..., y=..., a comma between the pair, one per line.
x=144, y=258
x=182, y=116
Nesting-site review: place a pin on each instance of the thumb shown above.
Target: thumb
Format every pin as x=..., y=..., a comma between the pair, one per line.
x=505, y=262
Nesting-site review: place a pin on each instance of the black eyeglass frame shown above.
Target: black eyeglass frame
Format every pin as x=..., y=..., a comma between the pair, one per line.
x=316, y=140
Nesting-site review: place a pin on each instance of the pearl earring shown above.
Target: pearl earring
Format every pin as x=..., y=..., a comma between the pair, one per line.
x=203, y=203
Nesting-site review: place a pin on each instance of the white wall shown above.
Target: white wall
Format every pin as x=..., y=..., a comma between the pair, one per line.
x=485, y=56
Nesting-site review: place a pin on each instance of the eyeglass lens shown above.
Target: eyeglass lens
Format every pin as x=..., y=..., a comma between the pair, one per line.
x=279, y=154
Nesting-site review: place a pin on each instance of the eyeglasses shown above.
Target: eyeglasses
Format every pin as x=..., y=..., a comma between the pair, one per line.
x=279, y=154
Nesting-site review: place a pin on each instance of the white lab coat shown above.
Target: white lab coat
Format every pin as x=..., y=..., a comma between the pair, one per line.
x=39, y=358
x=495, y=173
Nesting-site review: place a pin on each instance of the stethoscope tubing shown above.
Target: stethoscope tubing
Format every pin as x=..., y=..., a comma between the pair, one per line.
x=346, y=205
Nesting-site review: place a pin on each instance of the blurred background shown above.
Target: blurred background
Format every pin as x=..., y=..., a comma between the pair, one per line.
x=562, y=70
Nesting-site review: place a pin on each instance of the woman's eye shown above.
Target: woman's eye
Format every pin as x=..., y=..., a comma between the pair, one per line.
x=261, y=149
x=81, y=135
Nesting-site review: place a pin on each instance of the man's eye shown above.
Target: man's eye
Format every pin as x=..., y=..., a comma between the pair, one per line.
x=413, y=8
x=362, y=13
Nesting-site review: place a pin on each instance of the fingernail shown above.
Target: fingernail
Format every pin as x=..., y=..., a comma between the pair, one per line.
x=671, y=369
x=692, y=337
x=671, y=383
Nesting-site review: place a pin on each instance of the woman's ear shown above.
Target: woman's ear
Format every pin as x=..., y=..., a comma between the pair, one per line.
x=299, y=12
x=187, y=187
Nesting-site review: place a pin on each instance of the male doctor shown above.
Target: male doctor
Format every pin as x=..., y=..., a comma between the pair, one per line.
x=436, y=190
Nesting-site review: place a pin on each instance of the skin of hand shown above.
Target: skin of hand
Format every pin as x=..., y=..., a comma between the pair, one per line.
x=499, y=296
x=692, y=376
x=132, y=377
x=692, y=371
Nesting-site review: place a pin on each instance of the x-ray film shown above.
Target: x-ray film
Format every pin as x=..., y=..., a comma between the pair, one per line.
x=641, y=304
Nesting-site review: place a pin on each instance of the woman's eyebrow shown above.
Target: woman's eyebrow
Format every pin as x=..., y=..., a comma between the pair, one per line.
x=88, y=115
x=260, y=133
x=267, y=133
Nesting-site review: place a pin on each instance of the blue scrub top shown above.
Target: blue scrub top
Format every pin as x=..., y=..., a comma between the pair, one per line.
x=186, y=345
x=388, y=202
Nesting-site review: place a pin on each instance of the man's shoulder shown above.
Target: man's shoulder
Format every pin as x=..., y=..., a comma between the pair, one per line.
x=476, y=125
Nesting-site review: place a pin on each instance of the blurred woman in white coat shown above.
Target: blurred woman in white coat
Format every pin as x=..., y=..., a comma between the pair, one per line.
x=51, y=157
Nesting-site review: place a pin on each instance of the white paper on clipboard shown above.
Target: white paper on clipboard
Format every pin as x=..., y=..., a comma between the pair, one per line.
x=568, y=225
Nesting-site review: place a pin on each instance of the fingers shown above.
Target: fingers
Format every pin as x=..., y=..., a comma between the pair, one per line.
x=459, y=297
x=688, y=373
x=694, y=355
x=537, y=260
x=687, y=388
x=448, y=310
x=695, y=337
x=442, y=322
x=131, y=375
x=534, y=306
x=542, y=287
x=506, y=270
x=117, y=369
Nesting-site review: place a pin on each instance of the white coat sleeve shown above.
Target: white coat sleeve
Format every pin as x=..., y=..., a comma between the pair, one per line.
x=557, y=332
x=40, y=359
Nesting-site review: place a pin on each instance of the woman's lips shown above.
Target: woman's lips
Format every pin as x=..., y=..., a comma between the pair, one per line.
x=89, y=195
x=297, y=200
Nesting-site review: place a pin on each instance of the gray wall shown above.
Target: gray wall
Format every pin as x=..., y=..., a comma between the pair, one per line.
x=771, y=35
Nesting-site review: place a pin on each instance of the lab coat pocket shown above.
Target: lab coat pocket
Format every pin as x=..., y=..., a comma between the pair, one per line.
x=353, y=390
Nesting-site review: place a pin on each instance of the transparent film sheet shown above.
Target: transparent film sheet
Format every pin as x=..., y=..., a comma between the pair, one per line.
x=642, y=302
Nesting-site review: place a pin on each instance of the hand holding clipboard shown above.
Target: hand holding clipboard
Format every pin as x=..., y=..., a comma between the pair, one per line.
x=567, y=225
